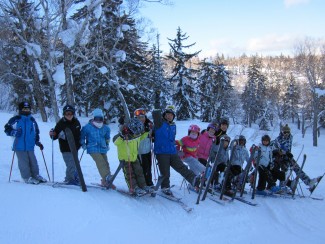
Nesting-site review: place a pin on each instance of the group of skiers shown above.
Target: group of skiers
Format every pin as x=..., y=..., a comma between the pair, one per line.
x=190, y=156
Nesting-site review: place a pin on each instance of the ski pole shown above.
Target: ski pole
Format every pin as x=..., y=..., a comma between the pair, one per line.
x=153, y=165
x=12, y=163
x=47, y=171
x=13, y=158
x=81, y=155
x=52, y=160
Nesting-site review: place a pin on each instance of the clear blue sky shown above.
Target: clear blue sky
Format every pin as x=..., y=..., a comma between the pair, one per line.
x=233, y=27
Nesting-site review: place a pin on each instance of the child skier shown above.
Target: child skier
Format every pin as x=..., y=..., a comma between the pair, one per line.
x=68, y=121
x=164, y=147
x=95, y=137
x=284, y=142
x=220, y=157
x=240, y=154
x=24, y=129
x=265, y=164
x=145, y=145
x=189, y=145
x=127, y=142
x=207, y=138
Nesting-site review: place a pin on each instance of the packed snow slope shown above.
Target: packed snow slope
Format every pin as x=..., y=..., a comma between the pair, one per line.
x=42, y=214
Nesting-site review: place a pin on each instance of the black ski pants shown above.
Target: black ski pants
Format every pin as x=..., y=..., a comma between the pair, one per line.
x=145, y=161
x=165, y=161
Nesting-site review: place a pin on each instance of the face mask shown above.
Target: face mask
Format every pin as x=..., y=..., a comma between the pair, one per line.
x=98, y=124
x=193, y=136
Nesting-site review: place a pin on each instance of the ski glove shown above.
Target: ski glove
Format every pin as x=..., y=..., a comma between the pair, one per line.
x=52, y=133
x=16, y=133
x=40, y=145
x=289, y=155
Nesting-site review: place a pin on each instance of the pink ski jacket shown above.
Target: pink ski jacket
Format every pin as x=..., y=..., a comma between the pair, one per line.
x=205, y=145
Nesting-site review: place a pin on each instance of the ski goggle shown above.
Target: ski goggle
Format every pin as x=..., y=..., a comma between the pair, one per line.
x=170, y=107
x=139, y=112
x=99, y=119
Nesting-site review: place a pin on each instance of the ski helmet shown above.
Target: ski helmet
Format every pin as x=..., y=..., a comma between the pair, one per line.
x=242, y=139
x=286, y=129
x=194, y=128
x=213, y=126
x=139, y=111
x=169, y=109
x=135, y=126
x=68, y=108
x=24, y=108
x=266, y=138
x=225, y=138
x=24, y=105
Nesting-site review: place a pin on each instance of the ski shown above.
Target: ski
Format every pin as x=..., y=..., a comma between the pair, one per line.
x=227, y=173
x=212, y=196
x=211, y=173
x=111, y=180
x=177, y=200
x=296, y=180
x=246, y=171
x=124, y=192
x=312, y=190
x=243, y=200
x=229, y=199
x=255, y=172
x=73, y=149
x=217, y=200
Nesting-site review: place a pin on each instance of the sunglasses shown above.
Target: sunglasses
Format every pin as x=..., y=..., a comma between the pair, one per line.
x=68, y=114
x=286, y=132
x=99, y=119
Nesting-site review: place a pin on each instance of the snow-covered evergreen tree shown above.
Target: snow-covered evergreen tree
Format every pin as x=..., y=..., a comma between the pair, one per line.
x=253, y=97
x=183, y=77
x=291, y=99
x=214, y=85
x=157, y=80
x=113, y=61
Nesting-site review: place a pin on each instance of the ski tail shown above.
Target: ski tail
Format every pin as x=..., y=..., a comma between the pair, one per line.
x=255, y=172
x=111, y=180
x=212, y=171
x=227, y=173
x=296, y=180
x=246, y=171
x=73, y=149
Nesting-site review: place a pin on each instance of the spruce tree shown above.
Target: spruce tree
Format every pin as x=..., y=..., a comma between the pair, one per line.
x=183, y=77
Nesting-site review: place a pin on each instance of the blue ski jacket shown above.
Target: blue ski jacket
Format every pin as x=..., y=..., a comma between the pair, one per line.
x=95, y=139
x=165, y=134
x=29, y=132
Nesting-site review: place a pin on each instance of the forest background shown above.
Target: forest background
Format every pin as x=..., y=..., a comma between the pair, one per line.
x=93, y=53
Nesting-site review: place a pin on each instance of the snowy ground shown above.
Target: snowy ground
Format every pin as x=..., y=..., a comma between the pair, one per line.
x=42, y=214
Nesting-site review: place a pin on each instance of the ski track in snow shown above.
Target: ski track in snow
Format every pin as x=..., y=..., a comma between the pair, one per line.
x=43, y=214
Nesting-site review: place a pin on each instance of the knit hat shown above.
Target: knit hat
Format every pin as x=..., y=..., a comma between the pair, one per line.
x=98, y=113
x=286, y=128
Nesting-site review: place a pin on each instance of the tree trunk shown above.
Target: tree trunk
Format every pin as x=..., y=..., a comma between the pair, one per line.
x=67, y=59
x=37, y=90
x=315, y=119
x=54, y=103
